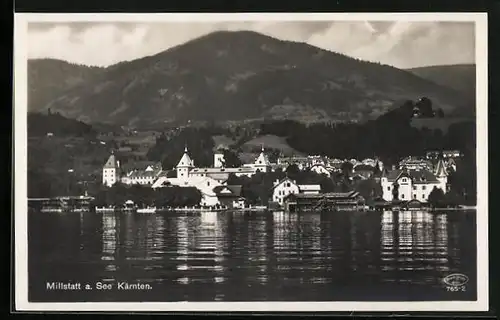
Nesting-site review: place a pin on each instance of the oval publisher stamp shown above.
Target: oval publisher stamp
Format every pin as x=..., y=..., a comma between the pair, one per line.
x=455, y=282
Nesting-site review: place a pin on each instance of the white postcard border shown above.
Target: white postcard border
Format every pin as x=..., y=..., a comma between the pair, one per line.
x=21, y=21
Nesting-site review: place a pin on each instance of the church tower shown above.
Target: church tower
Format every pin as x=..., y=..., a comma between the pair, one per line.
x=184, y=166
x=441, y=174
x=262, y=162
x=110, y=174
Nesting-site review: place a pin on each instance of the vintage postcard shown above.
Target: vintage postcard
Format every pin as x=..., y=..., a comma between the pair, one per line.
x=251, y=162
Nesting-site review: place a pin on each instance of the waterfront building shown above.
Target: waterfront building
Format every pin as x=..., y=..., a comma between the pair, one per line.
x=207, y=180
x=230, y=196
x=283, y=188
x=338, y=201
x=414, y=184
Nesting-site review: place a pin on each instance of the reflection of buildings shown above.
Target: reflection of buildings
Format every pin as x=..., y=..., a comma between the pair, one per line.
x=414, y=246
x=200, y=248
x=109, y=239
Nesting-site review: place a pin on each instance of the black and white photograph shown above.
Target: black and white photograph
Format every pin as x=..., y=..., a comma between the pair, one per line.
x=251, y=162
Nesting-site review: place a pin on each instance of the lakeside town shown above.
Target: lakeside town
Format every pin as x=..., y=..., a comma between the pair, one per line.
x=299, y=183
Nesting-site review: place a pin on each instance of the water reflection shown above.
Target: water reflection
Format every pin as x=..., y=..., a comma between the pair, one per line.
x=414, y=246
x=258, y=256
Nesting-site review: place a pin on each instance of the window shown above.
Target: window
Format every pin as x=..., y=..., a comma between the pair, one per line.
x=388, y=188
x=414, y=196
x=402, y=196
x=208, y=183
x=403, y=180
x=423, y=187
x=414, y=187
x=288, y=184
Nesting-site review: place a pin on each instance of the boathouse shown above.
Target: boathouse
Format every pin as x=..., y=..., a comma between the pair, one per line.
x=60, y=203
x=333, y=201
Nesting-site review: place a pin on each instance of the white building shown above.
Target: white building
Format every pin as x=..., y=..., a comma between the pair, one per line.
x=321, y=169
x=206, y=179
x=141, y=173
x=287, y=186
x=205, y=185
x=111, y=171
x=414, y=184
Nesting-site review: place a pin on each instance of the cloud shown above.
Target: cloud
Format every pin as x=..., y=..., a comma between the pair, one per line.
x=401, y=44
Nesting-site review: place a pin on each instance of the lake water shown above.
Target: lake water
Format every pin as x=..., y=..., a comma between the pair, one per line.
x=329, y=256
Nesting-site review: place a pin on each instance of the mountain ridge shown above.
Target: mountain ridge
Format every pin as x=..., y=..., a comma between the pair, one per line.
x=460, y=77
x=242, y=75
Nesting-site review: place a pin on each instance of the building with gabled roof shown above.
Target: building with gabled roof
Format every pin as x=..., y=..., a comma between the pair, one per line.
x=230, y=196
x=111, y=171
x=286, y=186
x=414, y=184
x=185, y=165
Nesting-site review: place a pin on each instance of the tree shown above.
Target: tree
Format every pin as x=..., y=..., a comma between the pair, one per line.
x=346, y=168
x=436, y=197
x=369, y=188
x=424, y=104
x=395, y=191
x=231, y=159
x=376, y=170
x=292, y=170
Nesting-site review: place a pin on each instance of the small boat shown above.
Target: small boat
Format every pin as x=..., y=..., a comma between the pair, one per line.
x=146, y=210
x=83, y=209
x=51, y=210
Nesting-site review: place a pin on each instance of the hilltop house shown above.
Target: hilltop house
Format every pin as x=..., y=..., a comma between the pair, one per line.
x=281, y=189
x=321, y=169
x=414, y=184
x=412, y=163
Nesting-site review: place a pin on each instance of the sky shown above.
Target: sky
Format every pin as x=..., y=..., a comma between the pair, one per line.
x=401, y=44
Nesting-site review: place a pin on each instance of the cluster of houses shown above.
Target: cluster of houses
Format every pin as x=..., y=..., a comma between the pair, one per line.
x=414, y=178
x=327, y=166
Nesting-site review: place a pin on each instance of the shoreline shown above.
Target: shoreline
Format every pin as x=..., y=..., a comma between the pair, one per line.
x=236, y=210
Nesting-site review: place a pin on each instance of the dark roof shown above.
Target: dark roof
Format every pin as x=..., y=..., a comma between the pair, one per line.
x=418, y=176
x=235, y=191
x=440, y=168
x=111, y=163
x=330, y=195
x=140, y=165
x=283, y=180
x=143, y=173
